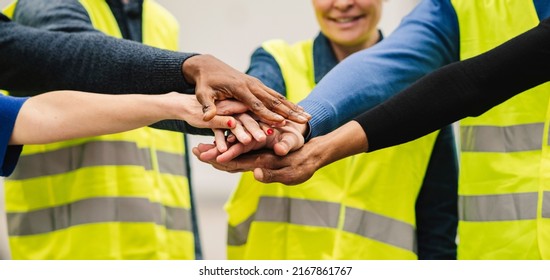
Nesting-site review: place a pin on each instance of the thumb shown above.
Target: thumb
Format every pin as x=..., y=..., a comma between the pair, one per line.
x=281, y=148
x=289, y=142
x=206, y=99
x=208, y=110
x=259, y=174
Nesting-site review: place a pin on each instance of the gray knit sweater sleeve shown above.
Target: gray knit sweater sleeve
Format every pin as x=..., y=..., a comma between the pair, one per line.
x=71, y=54
x=68, y=53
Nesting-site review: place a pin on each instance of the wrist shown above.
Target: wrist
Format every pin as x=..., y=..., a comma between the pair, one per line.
x=321, y=150
x=190, y=68
x=306, y=131
x=302, y=128
x=343, y=142
x=172, y=106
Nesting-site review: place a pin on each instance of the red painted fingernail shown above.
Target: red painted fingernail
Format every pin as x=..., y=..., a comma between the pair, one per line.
x=230, y=123
x=269, y=131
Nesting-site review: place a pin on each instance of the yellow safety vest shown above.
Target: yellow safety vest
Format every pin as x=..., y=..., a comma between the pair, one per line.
x=361, y=207
x=504, y=203
x=119, y=196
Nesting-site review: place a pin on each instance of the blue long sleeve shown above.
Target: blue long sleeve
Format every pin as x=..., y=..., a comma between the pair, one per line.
x=427, y=39
x=470, y=87
x=9, y=154
x=264, y=67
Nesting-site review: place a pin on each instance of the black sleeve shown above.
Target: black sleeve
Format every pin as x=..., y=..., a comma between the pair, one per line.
x=461, y=89
x=74, y=56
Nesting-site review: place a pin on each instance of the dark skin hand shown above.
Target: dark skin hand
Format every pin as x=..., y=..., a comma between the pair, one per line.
x=294, y=164
x=214, y=80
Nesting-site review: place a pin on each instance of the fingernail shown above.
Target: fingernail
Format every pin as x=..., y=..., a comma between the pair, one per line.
x=230, y=123
x=269, y=131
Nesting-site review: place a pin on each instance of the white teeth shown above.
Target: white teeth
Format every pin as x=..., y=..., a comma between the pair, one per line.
x=344, y=20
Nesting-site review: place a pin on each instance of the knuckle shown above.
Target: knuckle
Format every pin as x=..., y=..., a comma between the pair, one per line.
x=223, y=111
x=253, y=81
x=292, y=113
x=275, y=103
x=268, y=175
x=256, y=105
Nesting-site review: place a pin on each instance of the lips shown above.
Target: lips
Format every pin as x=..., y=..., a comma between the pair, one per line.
x=346, y=19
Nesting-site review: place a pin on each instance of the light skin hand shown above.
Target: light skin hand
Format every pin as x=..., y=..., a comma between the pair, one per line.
x=186, y=107
x=298, y=166
x=230, y=117
x=290, y=140
x=264, y=160
x=255, y=129
x=62, y=115
x=248, y=128
x=214, y=80
x=281, y=141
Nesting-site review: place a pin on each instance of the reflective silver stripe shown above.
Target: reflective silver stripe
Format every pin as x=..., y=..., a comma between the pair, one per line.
x=326, y=214
x=517, y=138
x=381, y=228
x=100, y=153
x=286, y=210
x=98, y=210
x=505, y=207
x=170, y=163
x=298, y=211
x=546, y=205
x=238, y=235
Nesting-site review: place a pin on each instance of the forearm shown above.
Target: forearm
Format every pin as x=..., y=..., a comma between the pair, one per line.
x=467, y=88
x=90, y=62
x=63, y=115
x=423, y=42
x=343, y=142
x=67, y=52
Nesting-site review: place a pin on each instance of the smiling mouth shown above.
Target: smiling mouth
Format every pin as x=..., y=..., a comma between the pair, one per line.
x=346, y=20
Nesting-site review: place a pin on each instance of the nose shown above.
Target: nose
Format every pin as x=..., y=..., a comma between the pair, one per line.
x=343, y=4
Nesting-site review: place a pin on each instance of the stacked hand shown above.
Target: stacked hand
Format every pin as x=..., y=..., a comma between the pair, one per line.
x=271, y=159
x=214, y=80
x=284, y=157
x=267, y=138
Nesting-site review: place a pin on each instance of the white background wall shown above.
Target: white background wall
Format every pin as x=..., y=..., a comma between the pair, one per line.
x=231, y=30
